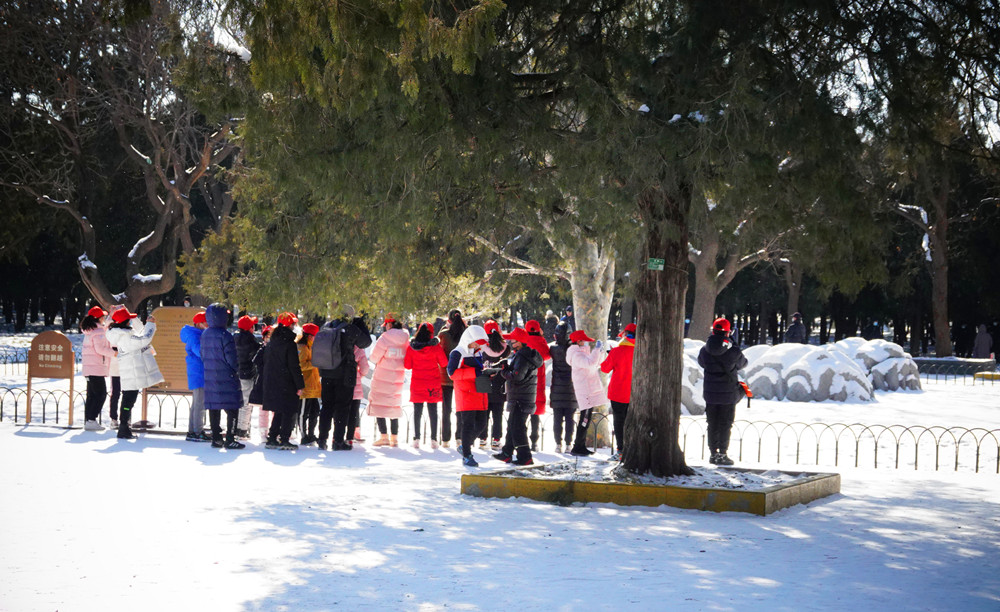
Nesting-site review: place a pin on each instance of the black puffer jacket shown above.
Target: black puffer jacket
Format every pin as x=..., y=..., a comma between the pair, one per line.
x=521, y=375
x=561, y=395
x=281, y=375
x=721, y=360
x=247, y=346
x=354, y=334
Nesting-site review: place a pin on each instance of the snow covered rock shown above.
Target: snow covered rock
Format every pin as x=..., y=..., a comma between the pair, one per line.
x=848, y=370
x=692, y=401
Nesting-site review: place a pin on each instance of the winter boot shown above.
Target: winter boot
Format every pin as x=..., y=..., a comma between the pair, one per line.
x=124, y=431
x=523, y=461
x=383, y=440
x=92, y=425
x=714, y=459
x=393, y=440
x=723, y=459
x=470, y=461
x=272, y=443
x=218, y=442
x=502, y=456
x=285, y=444
x=581, y=451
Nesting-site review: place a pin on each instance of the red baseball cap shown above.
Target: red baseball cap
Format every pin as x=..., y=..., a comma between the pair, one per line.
x=721, y=324
x=533, y=326
x=97, y=312
x=310, y=329
x=122, y=315
x=579, y=335
x=199, y=318
x=518, y=334
x=246, y=323
x=287, y=319
x=491, y=326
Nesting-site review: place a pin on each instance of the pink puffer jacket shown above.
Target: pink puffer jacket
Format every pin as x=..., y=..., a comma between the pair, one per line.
x=386, y=396
x=363, y=369
x=97, y=352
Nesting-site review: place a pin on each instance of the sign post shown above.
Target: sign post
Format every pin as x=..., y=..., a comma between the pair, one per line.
x=170, y=354
x=51, y=356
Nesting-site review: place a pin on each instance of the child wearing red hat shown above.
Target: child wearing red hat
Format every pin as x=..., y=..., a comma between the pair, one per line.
x=537, y=342
x=425, y=358
x=521, y=374
x=97, y=357
x=495, y=352
x=721, y=359
x=136, y=363
x=191, y=337
x=619, y=364
x=246, y=347
x=311, y=393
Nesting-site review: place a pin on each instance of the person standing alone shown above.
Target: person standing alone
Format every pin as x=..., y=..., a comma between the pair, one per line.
x=721, y=360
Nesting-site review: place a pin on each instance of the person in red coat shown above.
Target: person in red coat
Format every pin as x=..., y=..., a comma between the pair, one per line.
x=537, y=341
x=465, y=364
x=619, y=363
x=449, y=336
x=425, y=358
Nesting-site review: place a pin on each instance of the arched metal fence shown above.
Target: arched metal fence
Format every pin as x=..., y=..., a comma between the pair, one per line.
x=959, y=375
x=802, y=444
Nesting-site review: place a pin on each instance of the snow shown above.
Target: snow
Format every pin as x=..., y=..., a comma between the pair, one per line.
x=84, y=262
x=139, y=243
x=160, y=523
x=147, y=278
x=643, y=109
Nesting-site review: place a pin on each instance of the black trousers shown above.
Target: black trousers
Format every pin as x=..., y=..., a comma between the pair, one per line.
x=720, y=425
x=582, y=422
x=393, y=427
x=282, y=424
x=432, y=414
x=494, y=412
x=310, y=415
x=128, y=402
x=338, y=400
x=473, y=422
x=517, y=430
x=97, y=392
x=116, y=393
x=619, y=411
x=563, y=415
x=215, y=420
x=536, y=423
x=446, y=394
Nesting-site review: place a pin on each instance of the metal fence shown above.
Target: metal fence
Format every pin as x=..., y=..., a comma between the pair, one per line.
x=959, y=375
x=801, y=444
x=14, y=361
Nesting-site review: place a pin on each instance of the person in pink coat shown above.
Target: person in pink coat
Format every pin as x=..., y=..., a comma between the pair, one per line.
x=587, y=385
x=385, y=400
x=359, y=391
x=97, y=358
x=424, y=358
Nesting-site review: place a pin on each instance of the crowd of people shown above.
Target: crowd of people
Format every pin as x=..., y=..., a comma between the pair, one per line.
x=309, y=378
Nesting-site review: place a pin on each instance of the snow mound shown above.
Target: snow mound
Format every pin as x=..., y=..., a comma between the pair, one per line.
x=848, y=370
x=692, y=401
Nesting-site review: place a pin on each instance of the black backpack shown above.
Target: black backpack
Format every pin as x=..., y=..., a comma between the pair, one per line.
x=327, y=353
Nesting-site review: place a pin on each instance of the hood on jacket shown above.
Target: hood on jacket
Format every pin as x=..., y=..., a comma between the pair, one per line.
x=417, y=345
x=472, y=333
x=717, y=344
x=217, y=315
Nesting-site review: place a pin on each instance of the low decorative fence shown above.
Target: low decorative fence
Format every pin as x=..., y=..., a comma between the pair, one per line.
x=804, y=444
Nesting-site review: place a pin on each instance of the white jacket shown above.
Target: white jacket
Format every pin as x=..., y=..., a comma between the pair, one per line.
x=136, y=364
x=587, y=385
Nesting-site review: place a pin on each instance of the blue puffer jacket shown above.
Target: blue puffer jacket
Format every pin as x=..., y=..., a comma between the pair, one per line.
x=191, y=337
x=218, y=352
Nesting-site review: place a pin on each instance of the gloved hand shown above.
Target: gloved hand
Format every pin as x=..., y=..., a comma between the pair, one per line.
x=491, y=371
x=598, y=345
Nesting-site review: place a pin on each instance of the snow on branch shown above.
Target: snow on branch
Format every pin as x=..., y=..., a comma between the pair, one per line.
x=139, y=243
x=526, y=266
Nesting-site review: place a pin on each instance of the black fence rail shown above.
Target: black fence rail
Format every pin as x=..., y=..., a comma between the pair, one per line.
x=959, y=374
x=856, y=445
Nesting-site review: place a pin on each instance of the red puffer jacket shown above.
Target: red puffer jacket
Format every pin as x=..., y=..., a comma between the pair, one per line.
x=464, y=377
x=426, y=360
x=619, y=363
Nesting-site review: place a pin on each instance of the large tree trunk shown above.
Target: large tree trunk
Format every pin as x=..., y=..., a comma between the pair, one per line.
x=592, y=279
x=706, y=273
x=938, y=237
x=793, y=282
x=653, y=424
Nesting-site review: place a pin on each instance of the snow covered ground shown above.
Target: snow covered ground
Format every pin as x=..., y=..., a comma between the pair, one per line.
x=93, y=523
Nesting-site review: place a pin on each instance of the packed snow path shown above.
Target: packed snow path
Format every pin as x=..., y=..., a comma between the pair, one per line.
x=93, y=523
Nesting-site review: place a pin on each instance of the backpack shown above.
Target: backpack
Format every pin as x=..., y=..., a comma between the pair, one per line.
x=327, y=353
